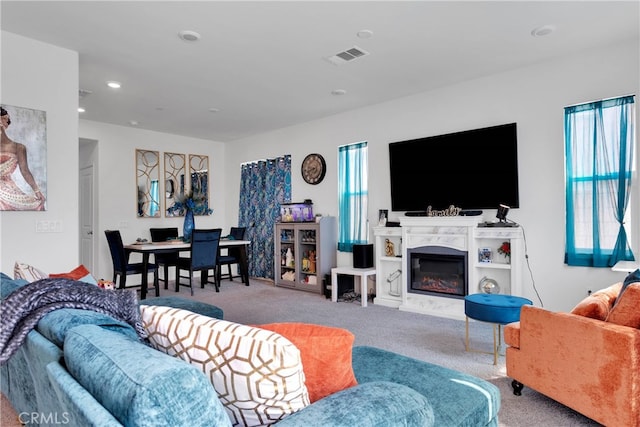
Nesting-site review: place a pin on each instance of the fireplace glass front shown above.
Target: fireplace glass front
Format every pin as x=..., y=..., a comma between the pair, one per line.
x=438, y=271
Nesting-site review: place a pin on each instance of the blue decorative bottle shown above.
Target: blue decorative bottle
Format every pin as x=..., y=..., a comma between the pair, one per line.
x=187, y=228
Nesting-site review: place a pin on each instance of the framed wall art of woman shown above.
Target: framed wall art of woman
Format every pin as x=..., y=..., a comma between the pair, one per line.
x=23, y=159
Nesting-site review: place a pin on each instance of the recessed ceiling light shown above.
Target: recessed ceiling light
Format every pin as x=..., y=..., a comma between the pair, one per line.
x=365, y=34
x=81, y=110
x=133, y=123
x=113, y=85
x=543, y=31
x=189, y=36
x=214, y=110
x=338, y=92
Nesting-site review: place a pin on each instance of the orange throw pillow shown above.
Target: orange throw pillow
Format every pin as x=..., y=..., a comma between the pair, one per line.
x=598, y=304
x=80, y=273
x=626, y=311
x=326, y=356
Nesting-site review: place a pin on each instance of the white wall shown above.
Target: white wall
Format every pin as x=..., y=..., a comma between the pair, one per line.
x=116, y=177
x=534, y=97
x=44, y=77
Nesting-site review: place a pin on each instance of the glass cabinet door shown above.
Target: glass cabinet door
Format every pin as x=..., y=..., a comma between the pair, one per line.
x=308, y=253
x=287, y=255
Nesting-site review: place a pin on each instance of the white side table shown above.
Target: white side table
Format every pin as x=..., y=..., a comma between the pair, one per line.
x=362, y=273
x=626, y=266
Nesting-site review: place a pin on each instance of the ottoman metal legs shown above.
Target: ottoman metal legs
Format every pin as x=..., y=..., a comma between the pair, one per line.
x=497, y=309
x=496, y=346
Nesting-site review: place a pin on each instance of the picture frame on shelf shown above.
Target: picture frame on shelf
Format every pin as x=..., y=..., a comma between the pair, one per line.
x=383, y=215
x=485, y=255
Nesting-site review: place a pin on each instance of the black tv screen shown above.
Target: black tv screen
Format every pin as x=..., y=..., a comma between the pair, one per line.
x=474, y=169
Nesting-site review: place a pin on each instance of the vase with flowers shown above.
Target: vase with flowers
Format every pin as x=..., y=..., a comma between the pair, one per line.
x=189, y=204
x=505, y=249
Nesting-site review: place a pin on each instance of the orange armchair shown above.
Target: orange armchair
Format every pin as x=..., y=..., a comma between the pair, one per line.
x=587, y=364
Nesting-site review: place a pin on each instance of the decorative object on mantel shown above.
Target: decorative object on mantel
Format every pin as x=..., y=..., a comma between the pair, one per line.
x=505, y=249
x=489, y=286
x=502, y=212
x=190, y=204
x=450, y=211
x=383, y=215
x=389, y=249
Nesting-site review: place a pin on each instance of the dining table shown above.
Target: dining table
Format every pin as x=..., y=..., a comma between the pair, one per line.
x=176, y=246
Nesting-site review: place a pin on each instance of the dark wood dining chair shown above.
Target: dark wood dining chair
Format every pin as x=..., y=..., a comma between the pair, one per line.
x=203, y=257
x=165, y=260
x=121, y=265
x=232, y=256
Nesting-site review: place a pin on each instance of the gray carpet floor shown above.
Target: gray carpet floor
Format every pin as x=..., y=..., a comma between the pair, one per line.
x=432, y=339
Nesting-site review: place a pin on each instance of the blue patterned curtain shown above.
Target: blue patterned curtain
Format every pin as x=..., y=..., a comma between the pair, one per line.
x=264, y=185
x=599, y=142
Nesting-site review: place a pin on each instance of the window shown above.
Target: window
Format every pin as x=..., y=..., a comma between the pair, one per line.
x=352, y=195
x=599, y=143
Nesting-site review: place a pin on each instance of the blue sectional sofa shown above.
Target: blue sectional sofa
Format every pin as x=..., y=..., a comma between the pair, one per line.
x=83, y=368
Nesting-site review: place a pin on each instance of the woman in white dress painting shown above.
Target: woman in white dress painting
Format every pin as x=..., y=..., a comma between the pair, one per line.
x=14, y=155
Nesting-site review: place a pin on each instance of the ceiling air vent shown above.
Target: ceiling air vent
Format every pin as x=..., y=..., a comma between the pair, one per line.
x=347, y=56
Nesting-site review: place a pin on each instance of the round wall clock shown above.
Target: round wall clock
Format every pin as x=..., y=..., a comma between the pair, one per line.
x=313, y=168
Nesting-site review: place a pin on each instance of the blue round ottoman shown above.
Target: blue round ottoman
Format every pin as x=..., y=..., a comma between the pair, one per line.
x=498, y=309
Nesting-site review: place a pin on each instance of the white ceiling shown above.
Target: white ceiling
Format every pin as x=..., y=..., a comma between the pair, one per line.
x=263, y=63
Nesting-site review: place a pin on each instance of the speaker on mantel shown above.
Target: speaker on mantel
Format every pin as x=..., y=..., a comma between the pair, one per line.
x=363, y=256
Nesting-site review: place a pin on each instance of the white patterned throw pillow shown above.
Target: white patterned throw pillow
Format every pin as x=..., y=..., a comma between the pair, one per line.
x=257, y=374
x=27, y=272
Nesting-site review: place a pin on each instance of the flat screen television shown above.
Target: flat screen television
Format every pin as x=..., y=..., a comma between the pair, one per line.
x=473, y=169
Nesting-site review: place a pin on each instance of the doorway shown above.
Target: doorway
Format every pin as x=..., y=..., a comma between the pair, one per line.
x=87, y=203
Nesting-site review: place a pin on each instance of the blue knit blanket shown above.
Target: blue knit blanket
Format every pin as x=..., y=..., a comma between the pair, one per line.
x=21, y=311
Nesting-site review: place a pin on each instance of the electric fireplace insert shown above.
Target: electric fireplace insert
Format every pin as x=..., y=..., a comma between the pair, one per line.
x=437, y=270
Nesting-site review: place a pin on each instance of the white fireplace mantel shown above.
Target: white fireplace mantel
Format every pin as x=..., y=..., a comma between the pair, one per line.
x=461, y=233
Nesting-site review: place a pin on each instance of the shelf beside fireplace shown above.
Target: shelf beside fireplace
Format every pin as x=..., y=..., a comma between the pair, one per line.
x=388, y=282
x=493, y=265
